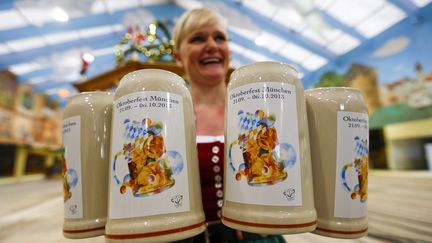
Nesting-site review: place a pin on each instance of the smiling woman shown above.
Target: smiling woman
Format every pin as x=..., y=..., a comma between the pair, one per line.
x=201, y=48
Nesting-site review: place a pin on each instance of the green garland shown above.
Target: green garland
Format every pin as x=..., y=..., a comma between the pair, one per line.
x=156, y=46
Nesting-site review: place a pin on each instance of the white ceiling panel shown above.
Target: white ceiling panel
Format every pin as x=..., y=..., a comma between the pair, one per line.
x=330, y=34
x=314, y=36
x=352, y=12
x=98, y=6
x=189, y=4
x=92, y=32
x=38, y=80
x=26, y=44
x=103, y=51
x=24, y=68
x=313, y=62
x=115, y=5
x=322, y=36
x=118, y=27
x=261, y=6
x=255, y=56
x=11, y=19
x=61, y=37
x=343, y=44
x=421, y=3
x=37, y=16
x=323, y=4
x=246, y=33
x=153, y=2
x=67, y=74
x=289, y=18
x=380, y=21
x=252, y=55
x=4, y=49
x=272, y=42
x=236, y=48
x=294, y=52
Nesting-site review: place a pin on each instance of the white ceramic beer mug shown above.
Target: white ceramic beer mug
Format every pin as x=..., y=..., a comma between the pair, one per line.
x=154, y=184
x=86, y=139
x=339, y=134
x=268, y=177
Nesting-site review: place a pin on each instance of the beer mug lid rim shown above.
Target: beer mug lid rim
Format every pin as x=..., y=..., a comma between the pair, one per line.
x=145, y=74
x=333, y=89
x=266, y=64
x=91, y=93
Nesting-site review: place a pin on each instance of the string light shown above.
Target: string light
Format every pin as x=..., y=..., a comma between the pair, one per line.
x=88, y=57
x=260, y=40
x=59, y=15
x=152, y=28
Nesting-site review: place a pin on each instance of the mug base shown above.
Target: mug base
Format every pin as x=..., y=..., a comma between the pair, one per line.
x=342, y=234
x=78, y=229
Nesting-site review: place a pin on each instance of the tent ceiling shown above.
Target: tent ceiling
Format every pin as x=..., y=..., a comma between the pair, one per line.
x=309, y=34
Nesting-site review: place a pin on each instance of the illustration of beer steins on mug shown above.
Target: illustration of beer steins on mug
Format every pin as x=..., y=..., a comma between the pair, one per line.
x=263, y=159
x=151, y=168
x=70, y=179
x=360, y=166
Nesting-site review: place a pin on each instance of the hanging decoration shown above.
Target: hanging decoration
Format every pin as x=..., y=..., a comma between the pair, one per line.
x=84, y=65
x=153, y=44
x=86, y=59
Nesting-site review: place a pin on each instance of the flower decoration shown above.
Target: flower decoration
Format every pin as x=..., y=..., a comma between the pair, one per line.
x=154, y=43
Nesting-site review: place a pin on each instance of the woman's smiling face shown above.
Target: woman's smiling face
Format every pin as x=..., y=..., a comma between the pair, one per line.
x=204, y=54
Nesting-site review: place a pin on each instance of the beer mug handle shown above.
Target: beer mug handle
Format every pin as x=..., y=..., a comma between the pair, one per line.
x=114, y=168
x=230, y=162
x=343, y=175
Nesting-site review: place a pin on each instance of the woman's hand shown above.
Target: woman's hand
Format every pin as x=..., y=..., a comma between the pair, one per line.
x=239, y=235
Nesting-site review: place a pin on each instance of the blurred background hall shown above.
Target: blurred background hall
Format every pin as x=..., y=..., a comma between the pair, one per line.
x=51, y=50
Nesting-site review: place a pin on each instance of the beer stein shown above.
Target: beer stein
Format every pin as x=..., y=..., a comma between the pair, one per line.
x=155, y=193
x=339, y=134
x=268, y=177
x=86, y=139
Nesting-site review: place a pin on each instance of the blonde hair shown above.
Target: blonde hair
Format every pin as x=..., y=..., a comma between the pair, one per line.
x=194, y=19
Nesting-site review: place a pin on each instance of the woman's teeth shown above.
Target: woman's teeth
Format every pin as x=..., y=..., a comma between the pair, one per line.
x=211, y=61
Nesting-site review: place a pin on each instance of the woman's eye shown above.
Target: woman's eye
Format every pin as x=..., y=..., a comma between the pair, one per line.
x=197, y=39
x=220, y=38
